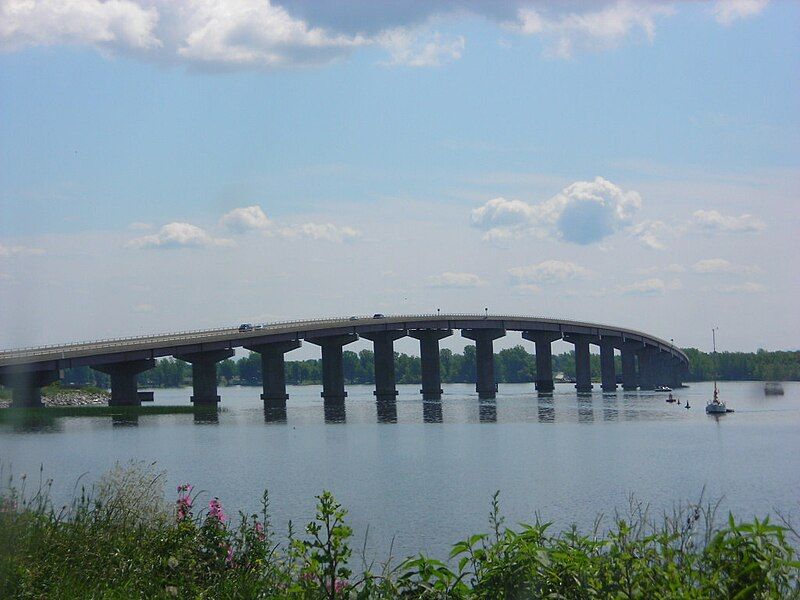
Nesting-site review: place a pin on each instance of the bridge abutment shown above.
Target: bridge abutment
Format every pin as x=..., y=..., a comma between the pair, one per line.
x=332, y=366
x=383, y=346
x=429, y=360
x=124, y=389
x=485, y=383
x=273, y=371
x=204, y=374
x=543, y=341
x=26, y=387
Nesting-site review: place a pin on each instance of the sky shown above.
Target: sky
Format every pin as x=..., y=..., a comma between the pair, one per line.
x=171, y=166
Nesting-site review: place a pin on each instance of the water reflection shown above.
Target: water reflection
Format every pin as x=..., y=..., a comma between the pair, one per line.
x=487, y=411
x=275, y=414
x=334, y=412
x=585, y=409
x=546, y=411
x=38, y=423
x=610, y=410
x=387, y=410
x=125, y=420
x=432, y=411
x=208, y=416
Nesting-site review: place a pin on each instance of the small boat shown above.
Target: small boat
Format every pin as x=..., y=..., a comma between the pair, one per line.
x=773, y=388
x=662, y=388
x=716, y=406
x=670, y=399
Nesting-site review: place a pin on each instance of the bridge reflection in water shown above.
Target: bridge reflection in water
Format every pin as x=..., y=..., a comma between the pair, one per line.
x=456, y=408
x=646, y=361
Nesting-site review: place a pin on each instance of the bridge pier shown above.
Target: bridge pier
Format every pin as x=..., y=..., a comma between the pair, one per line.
x=608, y=374
x=332, y=367
x=383, y=345
x=583, y=372
x=26, y=387
x=628, y=356
x=273, y=370
x=429, y=359
x=544, y=358
x=645, y=359
x=485, y=384
x=204, y=374
x=124, y=391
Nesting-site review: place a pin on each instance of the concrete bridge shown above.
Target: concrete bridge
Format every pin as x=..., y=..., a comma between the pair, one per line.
x=647, y=361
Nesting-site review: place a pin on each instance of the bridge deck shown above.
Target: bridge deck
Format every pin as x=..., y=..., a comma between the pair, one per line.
x=145, y=347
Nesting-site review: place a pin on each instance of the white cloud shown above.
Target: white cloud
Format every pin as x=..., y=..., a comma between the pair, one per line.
x=728, y=11
x=649, y=233
x=248, y=218
x=109, y=25
x=712, y=220
x=321, y=231
x=140, y=226
x=178, y=235
x=748, y=287
x=9, y=251
x=455, y=280
x=670, y=268
x=242, y=33
x=548, y=271
x=411, y=48
x=648, y=287
x=595, y=30
x=582, y=213
x=720, y=265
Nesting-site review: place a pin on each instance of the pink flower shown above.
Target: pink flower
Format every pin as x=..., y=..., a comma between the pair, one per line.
x=259, y=528
x=215, y=510
x=229, y=557
x=184, y=501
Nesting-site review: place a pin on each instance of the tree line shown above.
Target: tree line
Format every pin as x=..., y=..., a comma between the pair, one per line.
x=512, y=365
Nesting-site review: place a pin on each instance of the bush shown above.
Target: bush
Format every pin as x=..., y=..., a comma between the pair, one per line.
x=120, y=540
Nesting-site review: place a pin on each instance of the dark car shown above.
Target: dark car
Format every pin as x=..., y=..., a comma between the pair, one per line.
x=246, y=327
x=378, y=316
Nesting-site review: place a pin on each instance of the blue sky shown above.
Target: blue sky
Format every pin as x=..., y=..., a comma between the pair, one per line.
x=400, y=160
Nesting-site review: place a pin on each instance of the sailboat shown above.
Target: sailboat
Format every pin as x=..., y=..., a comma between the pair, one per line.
x=716, y=406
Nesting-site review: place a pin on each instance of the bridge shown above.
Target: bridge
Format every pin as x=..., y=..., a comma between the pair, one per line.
x=647, y=361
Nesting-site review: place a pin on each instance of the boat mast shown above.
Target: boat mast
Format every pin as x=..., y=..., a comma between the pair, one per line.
x=714, y=345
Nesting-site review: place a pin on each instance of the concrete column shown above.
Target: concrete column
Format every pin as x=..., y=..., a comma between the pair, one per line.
x=608, y=374
x=26, y=387
x=628, y=355
x=485, y=384
x=124, y=391
x=204, y=374
x=583, y=373
x=383, y=344
x=646, y=366
x=429, y=358
x=332, y=367
x=273, y=370
x=544, y=358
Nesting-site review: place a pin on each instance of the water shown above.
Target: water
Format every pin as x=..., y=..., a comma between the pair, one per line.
x=424, y=475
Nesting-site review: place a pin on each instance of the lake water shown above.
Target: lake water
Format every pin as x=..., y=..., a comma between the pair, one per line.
x=423, y=475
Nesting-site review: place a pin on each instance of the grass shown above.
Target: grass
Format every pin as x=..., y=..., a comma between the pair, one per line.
x=123, y=540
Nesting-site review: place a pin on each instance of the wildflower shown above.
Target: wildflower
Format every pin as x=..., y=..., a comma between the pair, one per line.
x=215, y=510
x=171, y=590
x=172, y=562
x=260, y=534
x=229, y=557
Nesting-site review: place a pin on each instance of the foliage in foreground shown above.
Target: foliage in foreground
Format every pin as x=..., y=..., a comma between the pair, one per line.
x=125, y=541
